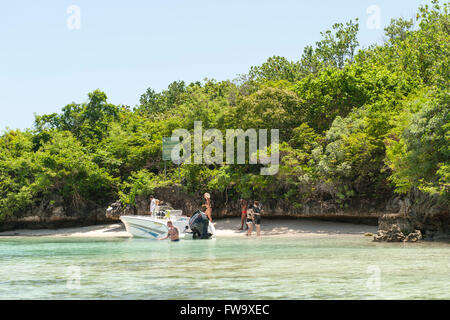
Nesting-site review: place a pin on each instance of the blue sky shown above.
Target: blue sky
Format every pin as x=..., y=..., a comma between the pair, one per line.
x=124, y=47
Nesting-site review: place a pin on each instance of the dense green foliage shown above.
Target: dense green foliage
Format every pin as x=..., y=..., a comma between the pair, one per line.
x=353, y=125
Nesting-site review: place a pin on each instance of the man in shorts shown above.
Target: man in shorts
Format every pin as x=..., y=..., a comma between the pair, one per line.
x=257, y=210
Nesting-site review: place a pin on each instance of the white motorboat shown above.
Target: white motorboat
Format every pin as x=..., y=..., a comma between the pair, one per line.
x=155, y=226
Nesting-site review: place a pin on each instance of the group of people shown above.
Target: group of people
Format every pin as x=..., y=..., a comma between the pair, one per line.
x=173, y=232
x=154, y=204
x=251, y=216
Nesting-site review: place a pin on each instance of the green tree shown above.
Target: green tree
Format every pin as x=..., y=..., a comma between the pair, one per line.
x=418, y=147
x=398, y=29
x=276, y=68
x=89, y=122
x=338, y=47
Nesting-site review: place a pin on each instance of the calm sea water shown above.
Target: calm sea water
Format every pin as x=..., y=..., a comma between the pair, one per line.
x=266, y=268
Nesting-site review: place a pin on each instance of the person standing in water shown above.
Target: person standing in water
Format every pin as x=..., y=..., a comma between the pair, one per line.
x=172, y=233
x=207, y=205
x=244, y=206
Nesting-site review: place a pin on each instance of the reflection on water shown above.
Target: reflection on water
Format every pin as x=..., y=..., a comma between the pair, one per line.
x=266, y=268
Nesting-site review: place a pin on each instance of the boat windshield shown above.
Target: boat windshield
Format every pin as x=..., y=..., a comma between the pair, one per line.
x=167, y=212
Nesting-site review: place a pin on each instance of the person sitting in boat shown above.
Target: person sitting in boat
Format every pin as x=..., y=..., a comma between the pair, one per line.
x=157, y=203
x=173, y=232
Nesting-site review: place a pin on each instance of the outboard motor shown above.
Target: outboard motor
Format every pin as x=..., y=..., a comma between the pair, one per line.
x=199, y=223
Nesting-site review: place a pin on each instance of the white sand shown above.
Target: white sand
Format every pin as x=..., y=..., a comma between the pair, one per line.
x=224, y=228
x=100, y=231
x=294, y=227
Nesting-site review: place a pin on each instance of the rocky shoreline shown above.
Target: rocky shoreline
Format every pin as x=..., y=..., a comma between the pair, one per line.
x=420, y=217
x=395, y=234
x=401, y=228
x=401, y=219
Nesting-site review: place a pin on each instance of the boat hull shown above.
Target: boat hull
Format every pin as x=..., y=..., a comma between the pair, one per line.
x=145, y=227
x=155, y=228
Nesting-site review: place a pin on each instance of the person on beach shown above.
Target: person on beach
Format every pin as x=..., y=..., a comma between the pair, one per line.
x=207, y=205
x=257, y=210
x=173, y=232
x=250, y=220
x=152, y=205
x=244, y=206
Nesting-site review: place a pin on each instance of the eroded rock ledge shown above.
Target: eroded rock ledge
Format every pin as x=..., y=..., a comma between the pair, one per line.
x=397, y=227
x=395, y=234
x=405, y=214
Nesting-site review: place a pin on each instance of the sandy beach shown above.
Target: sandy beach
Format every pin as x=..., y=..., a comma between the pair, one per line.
x=224, y=228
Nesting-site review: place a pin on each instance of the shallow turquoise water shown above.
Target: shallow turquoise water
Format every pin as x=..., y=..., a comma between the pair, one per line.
x=266, y=268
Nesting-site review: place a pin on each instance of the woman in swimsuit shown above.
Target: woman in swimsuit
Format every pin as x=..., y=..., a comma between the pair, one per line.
x=208, y=206
x=250, y=220
x=244, y=205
